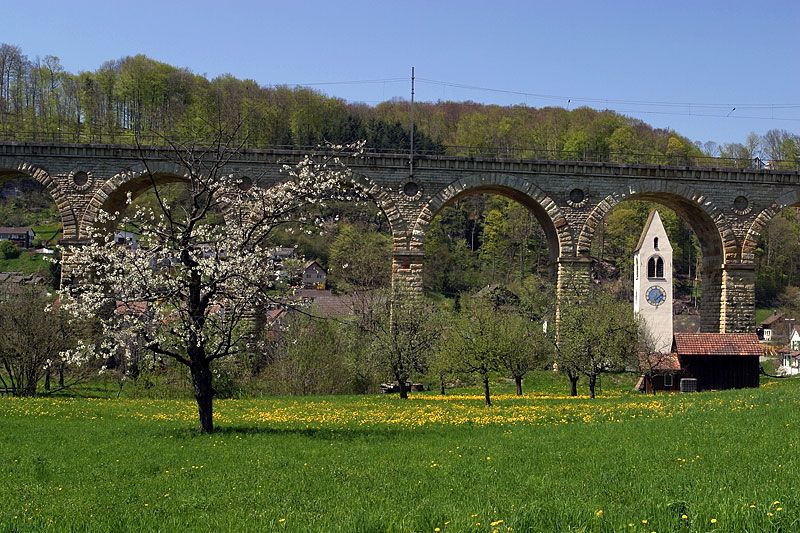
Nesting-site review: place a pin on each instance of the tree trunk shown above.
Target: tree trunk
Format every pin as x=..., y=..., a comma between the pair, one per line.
x=518, y=383
x=486, y=396
x=592, y=383
x=61, y=375
x=47, y=379
x=204, y=394
x=442, y=389
x=403, y=389
x=573, y=385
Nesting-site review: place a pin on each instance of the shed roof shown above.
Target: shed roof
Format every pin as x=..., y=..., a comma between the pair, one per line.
x=309, y=264
x=743, y=344
x=15, y=229
x=660, y=361
x=772, y=319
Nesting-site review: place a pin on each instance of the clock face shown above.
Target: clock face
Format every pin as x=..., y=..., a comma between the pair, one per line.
x=656, y=295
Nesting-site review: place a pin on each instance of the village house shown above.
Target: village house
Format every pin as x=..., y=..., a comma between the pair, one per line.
x=789, y=357
x=21, y=236
x=126, y=238
x=314, y=276
x=775, y=328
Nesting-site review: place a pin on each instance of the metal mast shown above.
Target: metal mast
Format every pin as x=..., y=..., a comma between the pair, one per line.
x=411, y=115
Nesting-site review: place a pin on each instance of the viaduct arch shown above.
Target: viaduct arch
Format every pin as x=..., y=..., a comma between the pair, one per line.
x=727, y=208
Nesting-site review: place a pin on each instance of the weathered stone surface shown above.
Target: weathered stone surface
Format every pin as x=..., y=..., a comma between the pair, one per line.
x=705, y=197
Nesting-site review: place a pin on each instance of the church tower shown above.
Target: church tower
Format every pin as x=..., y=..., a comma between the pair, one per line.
x=652, y=283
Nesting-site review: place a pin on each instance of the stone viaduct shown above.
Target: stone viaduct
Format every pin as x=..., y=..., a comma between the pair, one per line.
x=726, y=208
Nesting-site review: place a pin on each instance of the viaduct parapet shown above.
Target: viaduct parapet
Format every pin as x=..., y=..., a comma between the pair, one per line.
x=726, y=208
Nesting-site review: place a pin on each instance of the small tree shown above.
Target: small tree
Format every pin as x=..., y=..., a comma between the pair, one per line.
x=596, y=334
x=529, y=347
x=34, y=335
x=403, y=340
x=477, y=340
x=192, y=284
x=9, y=250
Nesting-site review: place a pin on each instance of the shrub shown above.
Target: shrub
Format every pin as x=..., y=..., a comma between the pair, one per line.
x=9, y=250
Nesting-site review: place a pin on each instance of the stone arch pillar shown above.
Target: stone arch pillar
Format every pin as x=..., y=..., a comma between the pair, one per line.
x=408, y=258
x=56, y=188
x=718, y=242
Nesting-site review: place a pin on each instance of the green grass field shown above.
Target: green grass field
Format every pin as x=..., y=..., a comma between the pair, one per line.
x=27, y=263
x=726, y=461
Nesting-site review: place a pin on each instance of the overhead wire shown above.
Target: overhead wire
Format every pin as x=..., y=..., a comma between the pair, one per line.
x=666, y=107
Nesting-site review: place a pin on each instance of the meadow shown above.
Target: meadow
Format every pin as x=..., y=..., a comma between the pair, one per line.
x=721, y=461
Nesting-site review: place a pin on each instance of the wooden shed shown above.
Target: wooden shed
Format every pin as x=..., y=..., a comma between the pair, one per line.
x=719, y=360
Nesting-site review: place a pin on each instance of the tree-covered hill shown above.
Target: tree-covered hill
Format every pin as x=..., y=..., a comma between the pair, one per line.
x=41, y=100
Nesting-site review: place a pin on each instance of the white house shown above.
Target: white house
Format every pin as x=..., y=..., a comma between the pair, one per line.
x=128, y=239
x=790, y=358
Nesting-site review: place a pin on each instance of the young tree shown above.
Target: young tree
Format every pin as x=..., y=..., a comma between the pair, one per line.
x=477, y=341
x=34, y=335
x=596, y=334
x=529, y=348
x=188, y=289
x=403, y=340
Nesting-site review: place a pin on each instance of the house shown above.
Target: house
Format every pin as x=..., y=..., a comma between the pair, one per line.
x=21, y=236
x=789, y=357
x=719, y=360
x=794, y=339
x=126, y=238
x=775, y=328
x=314, y=276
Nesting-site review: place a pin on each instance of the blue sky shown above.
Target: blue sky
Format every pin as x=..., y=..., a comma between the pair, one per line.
x=670, y=63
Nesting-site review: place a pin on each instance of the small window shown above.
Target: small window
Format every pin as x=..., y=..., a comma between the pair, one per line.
x=651, y=268
x=659, y=268
x=667, y=380
x=655, y=243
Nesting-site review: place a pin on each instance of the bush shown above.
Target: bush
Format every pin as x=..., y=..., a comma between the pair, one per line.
x=9, y=250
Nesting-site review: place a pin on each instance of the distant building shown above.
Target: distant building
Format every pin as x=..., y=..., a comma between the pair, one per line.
x=314, y=275
x=128, y=239
x=21, y=236
x=719, y=360
x=279, y=253
x=774, y=328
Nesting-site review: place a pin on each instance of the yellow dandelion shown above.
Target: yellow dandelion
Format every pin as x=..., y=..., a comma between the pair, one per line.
x=599, y=512
x=684, y=517
x=713, y=520
x=644, y=521
x=437, y=529
x=496, y=523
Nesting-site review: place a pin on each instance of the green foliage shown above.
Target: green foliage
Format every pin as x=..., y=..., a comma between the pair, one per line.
x=359, y=259
x=9, y=250
x=308, y=357
x=597, y=334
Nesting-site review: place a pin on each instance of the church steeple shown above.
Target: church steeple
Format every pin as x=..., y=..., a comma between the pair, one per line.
x=652, y=283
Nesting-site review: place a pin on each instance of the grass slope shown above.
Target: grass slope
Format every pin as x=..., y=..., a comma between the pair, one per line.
x=724, y=461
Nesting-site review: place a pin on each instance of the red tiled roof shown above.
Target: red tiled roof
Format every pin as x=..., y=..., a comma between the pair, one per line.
x=660, y=361
x=745, y=344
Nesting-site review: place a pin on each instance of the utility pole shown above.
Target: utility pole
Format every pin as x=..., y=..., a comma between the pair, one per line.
x=411, y=114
